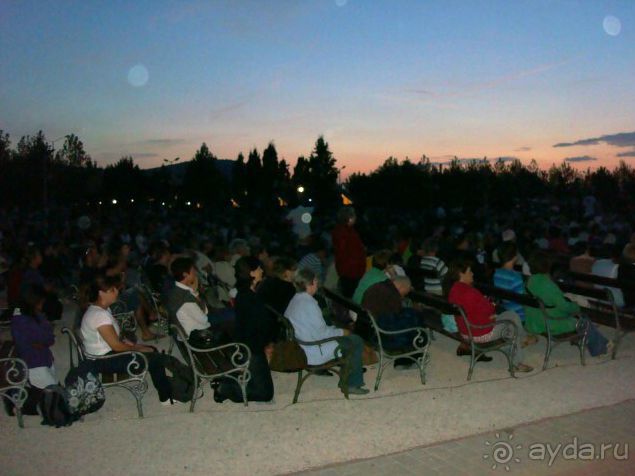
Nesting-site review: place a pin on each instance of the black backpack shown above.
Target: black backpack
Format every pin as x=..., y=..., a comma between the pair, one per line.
x=54, y=407
x=84, y=389
x=182, y=380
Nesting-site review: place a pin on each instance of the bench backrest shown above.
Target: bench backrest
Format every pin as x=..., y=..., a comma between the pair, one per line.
x=289, y=332
x=600, y=294
x=364, y=317
x=75, y=346
x=506, y=295
x=602, y=281
x=443, y=306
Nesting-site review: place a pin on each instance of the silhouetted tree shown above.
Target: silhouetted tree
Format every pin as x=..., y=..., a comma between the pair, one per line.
x=33, y=157
x=203, y=182
x=72, y=152
x=123, y=180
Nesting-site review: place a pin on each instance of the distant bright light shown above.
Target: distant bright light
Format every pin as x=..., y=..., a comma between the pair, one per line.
x=162, y=204
x=300, y=189
x=138, y=76
x=306, y=218
x=114, y=201
x=100, y=202
x=310, y=199
x=612, y=25
x=188, y=203
x=132, y=200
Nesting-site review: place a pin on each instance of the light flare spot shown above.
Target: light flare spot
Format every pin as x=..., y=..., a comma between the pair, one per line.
x=306, y=218
x=138, y=76
x=612, y=25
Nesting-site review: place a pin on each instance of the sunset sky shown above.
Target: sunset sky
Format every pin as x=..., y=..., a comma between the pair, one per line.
x=543, y=79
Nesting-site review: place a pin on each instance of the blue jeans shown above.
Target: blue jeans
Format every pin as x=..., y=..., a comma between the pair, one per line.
x=596, y=342
x=353, y=345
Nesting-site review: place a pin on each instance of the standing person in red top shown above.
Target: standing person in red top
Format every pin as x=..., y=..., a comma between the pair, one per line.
x=350, y=253
x=481, y=312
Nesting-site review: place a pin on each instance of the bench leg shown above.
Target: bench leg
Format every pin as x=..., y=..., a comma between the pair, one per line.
x=547, y=355
x=582, y=347
x=423, y=365
x=298, y=387
x=18, y=413
x=510, y=361
x=380, y=370
x=471, y=369
x=243, y=387
x=137, y=390
x=139, y=405
x=197, y=382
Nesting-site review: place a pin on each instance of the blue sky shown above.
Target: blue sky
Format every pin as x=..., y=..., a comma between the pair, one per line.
x=377, y=78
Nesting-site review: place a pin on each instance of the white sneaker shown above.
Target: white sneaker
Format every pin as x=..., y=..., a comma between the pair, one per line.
x=172, y=403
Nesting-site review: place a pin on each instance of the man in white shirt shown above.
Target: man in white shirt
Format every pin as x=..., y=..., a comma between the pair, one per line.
x=184, y=303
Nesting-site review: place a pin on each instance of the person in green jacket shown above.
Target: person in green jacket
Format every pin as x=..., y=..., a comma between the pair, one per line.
x=557, y=306
x=376, y=274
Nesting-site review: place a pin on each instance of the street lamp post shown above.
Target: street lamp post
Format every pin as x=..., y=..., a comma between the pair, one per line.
x=339, y=175
x=45, y=173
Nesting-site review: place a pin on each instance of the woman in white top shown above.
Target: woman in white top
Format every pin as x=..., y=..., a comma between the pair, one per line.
x=100, y=334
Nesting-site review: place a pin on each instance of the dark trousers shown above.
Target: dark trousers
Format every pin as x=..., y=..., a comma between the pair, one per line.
x=155, y=368
x=348, y=286
x=353, y=346
x=259, y=387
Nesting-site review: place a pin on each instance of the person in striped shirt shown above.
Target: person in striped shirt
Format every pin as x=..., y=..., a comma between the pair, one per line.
x=431, y=262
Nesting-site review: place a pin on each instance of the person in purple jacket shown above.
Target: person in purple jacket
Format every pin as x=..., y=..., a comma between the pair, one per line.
x=33, y=337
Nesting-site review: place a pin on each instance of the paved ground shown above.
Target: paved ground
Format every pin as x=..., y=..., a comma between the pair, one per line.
x=325, y=429
x=549, y=446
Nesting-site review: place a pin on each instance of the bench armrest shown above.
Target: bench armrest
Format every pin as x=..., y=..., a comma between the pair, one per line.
x=318, y=342
x=240, y=353
x=15, y=372
x=136, y=368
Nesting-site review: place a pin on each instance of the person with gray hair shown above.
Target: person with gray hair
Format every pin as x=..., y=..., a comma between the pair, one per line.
x=384, y=300
x=308, y=323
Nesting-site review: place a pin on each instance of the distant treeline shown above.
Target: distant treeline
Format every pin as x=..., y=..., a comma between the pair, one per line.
x=33, y=174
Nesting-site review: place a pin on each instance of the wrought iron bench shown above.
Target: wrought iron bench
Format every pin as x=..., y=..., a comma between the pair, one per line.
x=340, y=365
x=224, y=361
x=504, y=345
x=417, y=352
x=602, y=307
x=574, y=338
x=14, y=375
x=133, y=379
x=153, y=300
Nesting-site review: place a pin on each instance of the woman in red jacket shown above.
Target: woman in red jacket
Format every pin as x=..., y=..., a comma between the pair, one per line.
x=350, y=253
x=480, y=311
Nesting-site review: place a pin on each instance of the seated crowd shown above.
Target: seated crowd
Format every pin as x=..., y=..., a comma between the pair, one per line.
x=219, y=289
